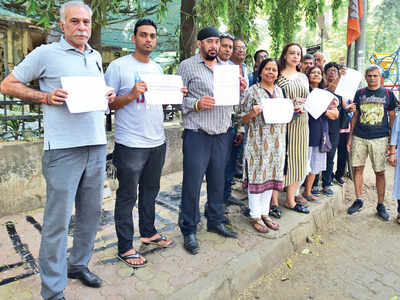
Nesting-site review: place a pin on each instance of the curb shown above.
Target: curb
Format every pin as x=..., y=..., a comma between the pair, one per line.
x=228, y=282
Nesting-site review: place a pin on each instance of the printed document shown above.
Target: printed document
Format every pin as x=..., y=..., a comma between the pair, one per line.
x=348, y=84
x=277, y=110
x=226, y=84
x=85, y=93
x=317, y=102
x=163, y=89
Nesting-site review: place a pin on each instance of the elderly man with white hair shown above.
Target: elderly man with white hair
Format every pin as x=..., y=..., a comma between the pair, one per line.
x=74, y=149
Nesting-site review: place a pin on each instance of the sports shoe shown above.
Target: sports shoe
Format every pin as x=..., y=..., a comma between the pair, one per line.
x=355, y=207
x=315, y=191
x=339, y=180
x=382, y=213
x=327, y=191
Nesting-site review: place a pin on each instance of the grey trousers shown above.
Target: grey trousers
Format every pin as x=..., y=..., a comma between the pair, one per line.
x=73, y=175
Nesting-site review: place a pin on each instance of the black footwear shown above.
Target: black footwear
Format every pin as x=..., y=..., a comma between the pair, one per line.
x=86, y=277
x=355, y=207
x=233, y=201
x=221, y=229
x=382, y=213
x=190, y=243
x=275, y=211
x=339, y=181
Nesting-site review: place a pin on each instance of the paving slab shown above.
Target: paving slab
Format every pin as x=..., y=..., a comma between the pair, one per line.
x=222, y=269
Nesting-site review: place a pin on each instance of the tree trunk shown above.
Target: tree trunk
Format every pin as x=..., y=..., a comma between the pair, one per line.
x=95, y=39
x=187, y=39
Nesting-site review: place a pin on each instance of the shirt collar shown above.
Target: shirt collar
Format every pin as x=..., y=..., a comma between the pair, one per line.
x=199, y=59
x=67, y=46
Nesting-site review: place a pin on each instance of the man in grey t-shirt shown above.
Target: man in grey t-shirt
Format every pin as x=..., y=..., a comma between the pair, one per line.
x=75, y=150
x=140, y=147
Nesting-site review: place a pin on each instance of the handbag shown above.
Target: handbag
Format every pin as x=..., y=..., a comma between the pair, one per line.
x=325, y=144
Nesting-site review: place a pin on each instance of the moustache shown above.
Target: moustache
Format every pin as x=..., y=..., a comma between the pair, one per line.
x=81, y=33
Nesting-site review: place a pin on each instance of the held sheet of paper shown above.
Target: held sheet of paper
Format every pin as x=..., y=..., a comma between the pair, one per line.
x=85, y=93
x=277, y=110
x=163, y=89
x=317, y=102
x=348, y=84
x=226, y=84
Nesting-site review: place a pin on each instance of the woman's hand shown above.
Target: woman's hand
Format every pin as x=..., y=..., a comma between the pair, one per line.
x=257, y=109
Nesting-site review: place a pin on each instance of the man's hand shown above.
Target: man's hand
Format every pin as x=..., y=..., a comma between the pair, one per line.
x=110, y=95
x=243, y=84
x=392, y=159
x=349, y=144
x=238, y=139
x=57, y=97
x=184, y=91
x=139, y=88
x=206, y=102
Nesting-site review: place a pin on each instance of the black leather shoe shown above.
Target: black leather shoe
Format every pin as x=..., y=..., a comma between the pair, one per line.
x=86, y=277
x=221, y=229
x=233, y=201
x=190, y=244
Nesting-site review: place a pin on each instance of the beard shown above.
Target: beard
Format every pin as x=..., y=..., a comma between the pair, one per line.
x=211, y=57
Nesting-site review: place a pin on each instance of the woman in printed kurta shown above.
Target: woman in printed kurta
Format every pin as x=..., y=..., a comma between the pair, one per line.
x=295, y=86
x=394, y=160
x=264, y=149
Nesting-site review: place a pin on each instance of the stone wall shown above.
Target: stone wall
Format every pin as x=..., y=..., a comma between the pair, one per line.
x=22, y=186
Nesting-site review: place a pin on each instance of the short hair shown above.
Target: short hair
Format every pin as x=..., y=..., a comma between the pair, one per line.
x=226, y=35
x=332, y=64
x=308, y=56
x=64, y=7
x=258, y=52
x=372, y=68
x=282, y=62
x=142, y=22
x=262, y=65
x=308, y=72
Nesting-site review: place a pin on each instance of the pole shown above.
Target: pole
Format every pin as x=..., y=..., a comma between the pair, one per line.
x=348, y=59
x=360, y=45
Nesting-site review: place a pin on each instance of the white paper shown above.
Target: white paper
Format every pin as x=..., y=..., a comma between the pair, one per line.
x=348, y=84
x=163, y=89
x=226, y=84
x=85, y=93
x=277, y=110
x=317, y=102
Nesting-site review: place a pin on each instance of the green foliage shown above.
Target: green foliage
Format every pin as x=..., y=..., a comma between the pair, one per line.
x=386, y=23
x=46, y=11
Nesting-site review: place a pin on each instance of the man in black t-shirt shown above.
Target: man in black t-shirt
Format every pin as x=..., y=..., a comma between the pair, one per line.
x=371, y=125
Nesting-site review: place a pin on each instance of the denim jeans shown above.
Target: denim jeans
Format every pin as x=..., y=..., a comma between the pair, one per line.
x=136, y=167
x=234, y=155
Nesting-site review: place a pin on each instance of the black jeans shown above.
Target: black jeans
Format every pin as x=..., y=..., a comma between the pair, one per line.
x=203, y=154
x=136, y=166
x=342, y=155
x=327, y=175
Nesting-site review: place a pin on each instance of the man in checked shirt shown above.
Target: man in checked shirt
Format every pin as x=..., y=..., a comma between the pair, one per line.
x=205, y=141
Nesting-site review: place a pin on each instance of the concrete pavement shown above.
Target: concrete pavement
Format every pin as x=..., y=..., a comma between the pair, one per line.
x=222, y=269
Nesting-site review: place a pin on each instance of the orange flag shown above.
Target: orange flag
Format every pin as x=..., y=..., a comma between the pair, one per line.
x=353, y=21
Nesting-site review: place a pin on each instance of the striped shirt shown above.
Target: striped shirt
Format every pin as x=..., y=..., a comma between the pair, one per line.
x=199, y=80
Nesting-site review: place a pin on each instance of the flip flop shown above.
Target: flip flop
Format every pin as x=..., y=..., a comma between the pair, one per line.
x=270, y=224
x=258, y=225
x=301, y=200
x=162, y=238
x=136, y=255
x=275, y=211
x=298, y=208
x=311, y=198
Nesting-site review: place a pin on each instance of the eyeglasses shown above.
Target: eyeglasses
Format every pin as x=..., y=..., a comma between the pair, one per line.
x=332, y=70
x=239, y=48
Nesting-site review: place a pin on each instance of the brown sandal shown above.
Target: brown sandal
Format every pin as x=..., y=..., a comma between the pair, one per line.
x=258, y=225
x=270, y=224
